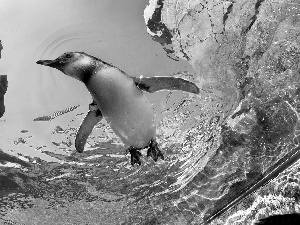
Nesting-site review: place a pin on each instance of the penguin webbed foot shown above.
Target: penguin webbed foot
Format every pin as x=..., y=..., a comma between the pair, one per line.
x=135, y=156
x=154, y=151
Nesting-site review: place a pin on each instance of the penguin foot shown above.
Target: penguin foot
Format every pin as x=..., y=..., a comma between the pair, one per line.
x=135, y=156
x=154, y=151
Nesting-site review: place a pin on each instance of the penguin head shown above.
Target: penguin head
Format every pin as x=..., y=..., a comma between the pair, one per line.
x=78, y=65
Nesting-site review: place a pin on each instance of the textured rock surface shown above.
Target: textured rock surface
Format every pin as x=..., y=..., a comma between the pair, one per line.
x=3, y=87
x=246, y=55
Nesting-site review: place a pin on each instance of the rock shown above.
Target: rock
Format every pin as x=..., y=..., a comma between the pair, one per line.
x=246, y=57
x=3, y=89
x=1, y=47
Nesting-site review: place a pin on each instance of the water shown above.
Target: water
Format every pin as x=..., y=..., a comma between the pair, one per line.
x=101, y=181
x=212, y=153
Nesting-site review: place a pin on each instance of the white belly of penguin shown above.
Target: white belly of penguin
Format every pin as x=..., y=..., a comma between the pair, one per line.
x=124, y=107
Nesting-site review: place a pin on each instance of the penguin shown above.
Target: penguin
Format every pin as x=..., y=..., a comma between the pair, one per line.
x=119, y=98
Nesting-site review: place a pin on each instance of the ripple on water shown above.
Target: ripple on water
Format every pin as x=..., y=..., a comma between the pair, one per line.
x=104, y=168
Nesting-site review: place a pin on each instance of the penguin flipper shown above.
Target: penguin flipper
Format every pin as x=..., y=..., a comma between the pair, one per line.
x=86, y=127
x=153, y=84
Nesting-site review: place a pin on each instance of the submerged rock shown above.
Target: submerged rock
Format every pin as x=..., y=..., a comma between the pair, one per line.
x=3, y=89
x=1, y=47
x=246, y=57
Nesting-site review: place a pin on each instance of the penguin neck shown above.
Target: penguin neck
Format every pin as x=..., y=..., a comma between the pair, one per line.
x=88, y=71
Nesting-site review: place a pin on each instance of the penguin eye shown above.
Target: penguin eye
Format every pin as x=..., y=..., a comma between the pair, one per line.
x=68, y=55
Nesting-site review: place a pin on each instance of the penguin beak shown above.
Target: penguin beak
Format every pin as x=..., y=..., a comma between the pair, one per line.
x=51, y=63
